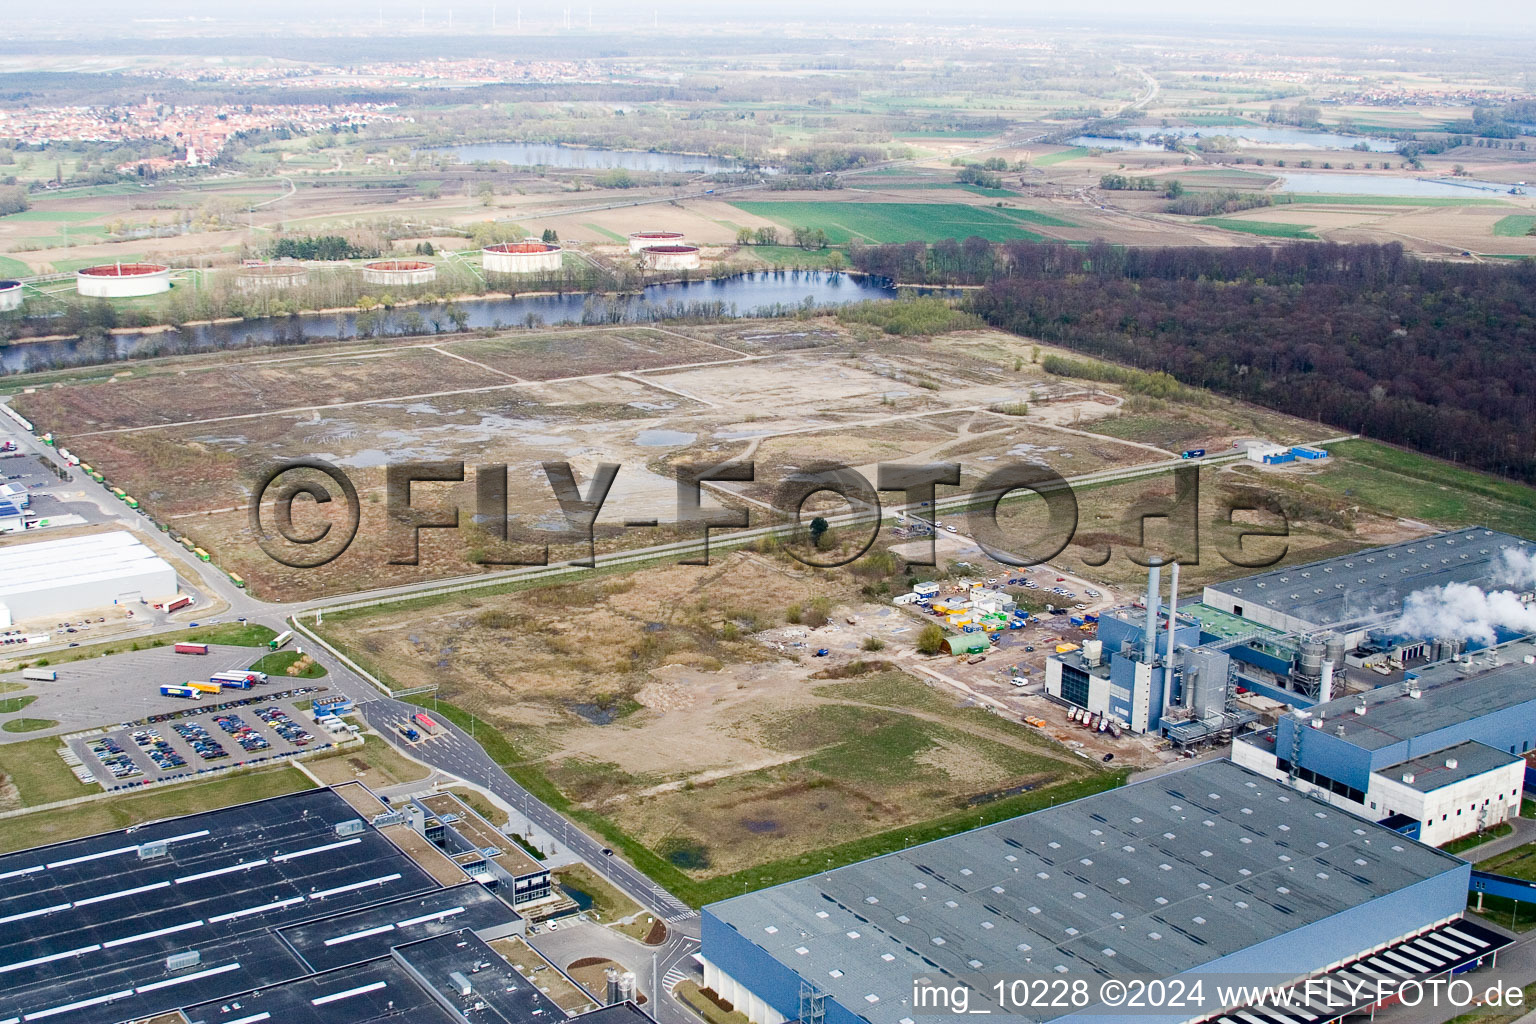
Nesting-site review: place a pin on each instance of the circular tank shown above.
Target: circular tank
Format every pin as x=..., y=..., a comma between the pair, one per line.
x=527, y=257
x=644, y=239
x=1333, y=650
x=10, y=295
x=671, y=257
x=399, y=273
x=1310, y=657
x=123, y=280
x=271, y=277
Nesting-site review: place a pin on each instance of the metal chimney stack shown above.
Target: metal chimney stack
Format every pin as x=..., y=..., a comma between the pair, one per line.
x=1154, y=584
x=1173, y=608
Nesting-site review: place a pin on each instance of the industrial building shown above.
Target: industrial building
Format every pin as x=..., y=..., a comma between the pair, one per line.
x=59, y=577
x=1289, y=635
x=1212, y=869
x=292, y=909
x=1441, y=751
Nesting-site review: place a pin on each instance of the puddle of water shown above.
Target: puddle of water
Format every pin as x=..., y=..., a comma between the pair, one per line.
x=664, y=438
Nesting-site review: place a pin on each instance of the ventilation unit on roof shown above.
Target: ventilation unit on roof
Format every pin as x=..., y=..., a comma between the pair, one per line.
x=388, y=818
x=1408, y=777
x=181, y=961
x=350, y=827
x=149, y=851
x=1450, y=762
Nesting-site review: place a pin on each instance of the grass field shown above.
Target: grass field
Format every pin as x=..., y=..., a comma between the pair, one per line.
x=278, y=662
x=612, y=236
x=32, y=773
x=1417, y=486
x=1269, y=229
x=1051, y=159
x=901, y=222
x=375, y=764
x=28, y=724
x=97, y=816
x=14, y=268
x=11, y=705
x=50, y=215
x=238, y=634
x=1516, y=225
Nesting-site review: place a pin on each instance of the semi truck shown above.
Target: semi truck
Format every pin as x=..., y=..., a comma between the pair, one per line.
x=237, y=581
x=281, y=640
x=202, y=687
x=181, y=691
x=189, y=648
x=178, y=604
x=40, y=675
x=239, y=680
x=408, y=732
x=425, y=720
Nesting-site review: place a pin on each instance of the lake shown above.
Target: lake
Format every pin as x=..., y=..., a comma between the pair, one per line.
x=745, y=295
x=549, y=154
x=1289, y=137
x=1388, y=185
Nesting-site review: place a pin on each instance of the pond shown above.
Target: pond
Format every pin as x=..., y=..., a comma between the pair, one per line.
x=1291, y=137
x=1388, y=185
x=549, y=154
x=744, y=295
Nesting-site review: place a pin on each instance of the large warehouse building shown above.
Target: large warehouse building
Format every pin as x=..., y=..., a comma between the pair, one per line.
x=292, y=910
x=60, y=577
x=1210, y=870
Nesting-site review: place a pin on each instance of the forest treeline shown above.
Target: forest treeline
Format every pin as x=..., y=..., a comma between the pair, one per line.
x=1432, y=355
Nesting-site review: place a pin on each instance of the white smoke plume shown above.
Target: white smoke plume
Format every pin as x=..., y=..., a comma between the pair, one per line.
x=1521, y=567
x=1463, y=611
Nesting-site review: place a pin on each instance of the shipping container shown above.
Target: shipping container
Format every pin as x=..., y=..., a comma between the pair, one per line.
x=202, y=687
x=181, y=691
x=186, y=648
x=281, y=640
x=40, y=675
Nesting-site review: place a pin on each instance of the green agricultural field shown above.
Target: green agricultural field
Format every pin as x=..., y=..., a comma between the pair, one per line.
x=14, y=268
x=902, y=222
x=1269, y=229
x=612, y=236
x=1516, y=225
x=1051, y=159
x=51, y=215
x=1408, y=484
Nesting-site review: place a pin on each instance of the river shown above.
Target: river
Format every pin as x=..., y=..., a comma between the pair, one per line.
x=742, y=296
x=548, y=154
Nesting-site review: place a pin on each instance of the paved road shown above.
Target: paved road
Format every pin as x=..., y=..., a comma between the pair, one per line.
x=656, y=967
x=456, y=753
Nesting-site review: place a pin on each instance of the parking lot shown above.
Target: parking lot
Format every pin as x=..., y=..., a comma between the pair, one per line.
x=126, y=686
x=235, y=727
x=53, y=501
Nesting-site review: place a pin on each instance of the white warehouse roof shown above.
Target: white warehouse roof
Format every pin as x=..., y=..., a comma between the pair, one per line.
x=58, y=577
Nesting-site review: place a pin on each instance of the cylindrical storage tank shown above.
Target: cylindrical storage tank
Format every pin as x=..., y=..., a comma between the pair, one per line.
x=1333, y=650
x=671, y=257
x=399, y=273
x=10, y=295
x=527, y=257
x=271, y=277
x=645, y=239
x=123, y=280
x=1310, y=658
